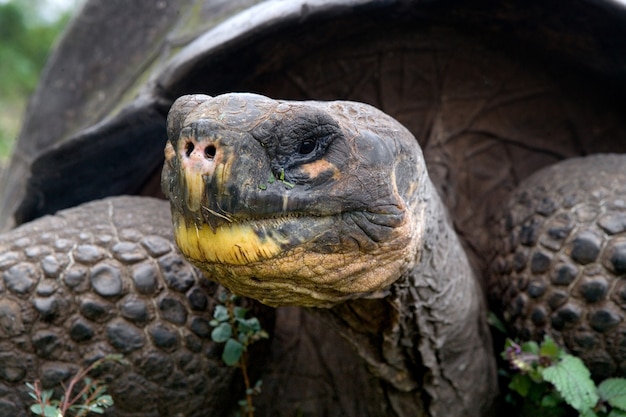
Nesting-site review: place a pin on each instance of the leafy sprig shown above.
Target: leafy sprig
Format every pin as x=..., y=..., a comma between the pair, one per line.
x=550, y=382
x=79, y=401
x=237, y=332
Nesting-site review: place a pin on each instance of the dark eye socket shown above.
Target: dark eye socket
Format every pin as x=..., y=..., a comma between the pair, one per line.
x=307, y=146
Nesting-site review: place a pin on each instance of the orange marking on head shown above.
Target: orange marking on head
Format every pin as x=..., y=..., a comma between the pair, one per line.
x=314, y=169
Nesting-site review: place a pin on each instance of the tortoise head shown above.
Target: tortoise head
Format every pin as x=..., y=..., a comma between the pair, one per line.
x=293, y=203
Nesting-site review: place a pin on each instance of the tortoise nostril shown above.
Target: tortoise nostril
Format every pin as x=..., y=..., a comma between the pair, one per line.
x=210, y=151
x=189, y=149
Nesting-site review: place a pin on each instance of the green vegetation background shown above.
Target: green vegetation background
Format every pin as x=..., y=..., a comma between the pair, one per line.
x=26, y=37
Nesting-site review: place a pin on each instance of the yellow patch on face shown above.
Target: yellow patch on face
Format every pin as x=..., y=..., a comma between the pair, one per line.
x=234, y=244
x=221, y=175
x=194, y=188
x=314, y=169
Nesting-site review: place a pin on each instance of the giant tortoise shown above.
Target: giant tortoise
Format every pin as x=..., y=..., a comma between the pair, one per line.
x=318, y=199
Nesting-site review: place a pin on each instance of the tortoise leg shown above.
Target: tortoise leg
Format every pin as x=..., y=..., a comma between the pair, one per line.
x=560, y=260
x=106, y=278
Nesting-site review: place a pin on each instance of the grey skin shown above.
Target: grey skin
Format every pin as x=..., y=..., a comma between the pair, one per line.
x=493, y=91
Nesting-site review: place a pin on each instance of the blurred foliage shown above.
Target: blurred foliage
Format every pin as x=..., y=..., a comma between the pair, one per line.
x=26, y=37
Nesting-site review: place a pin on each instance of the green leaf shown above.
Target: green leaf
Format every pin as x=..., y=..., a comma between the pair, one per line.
x=551, y=400
x=46, y=395
x=240, y=312
x=494, y=321
x=222, y=333
x=588, y=413
x=243, y=338
x=220, y=313
x=520, y=384
x=115, y=357
x=537, y=391
x=250, y=325
x=613, y=391
x=530, y=347
x=573, y=381
x=88, y=408
x=105, y=400
x=262, y=187
x=232, y=352
x=36, y=409
x=78, y=407
x=257, y=387
x=617, y=413
x=261, y=334
x=550, y=349
x=46, y=411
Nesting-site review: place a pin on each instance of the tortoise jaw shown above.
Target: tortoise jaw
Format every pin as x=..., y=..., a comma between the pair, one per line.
x=297, y=259
x=238, y=242
x=233, y=244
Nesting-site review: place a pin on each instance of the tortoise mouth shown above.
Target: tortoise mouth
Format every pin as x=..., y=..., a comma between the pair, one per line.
x=298, y=259
x=246, y=241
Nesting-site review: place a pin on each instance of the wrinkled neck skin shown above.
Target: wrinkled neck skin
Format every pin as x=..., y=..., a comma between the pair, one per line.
x=428, y=337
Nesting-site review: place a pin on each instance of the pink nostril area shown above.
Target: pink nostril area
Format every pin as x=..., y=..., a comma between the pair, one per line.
x=209, y=151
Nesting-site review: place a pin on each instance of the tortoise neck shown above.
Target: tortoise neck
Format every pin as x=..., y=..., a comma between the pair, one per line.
x=428, y=337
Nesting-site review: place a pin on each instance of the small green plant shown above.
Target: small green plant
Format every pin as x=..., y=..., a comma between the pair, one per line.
x=237, y=332
x=281, y=178
x=78, y=399
x=547, y=381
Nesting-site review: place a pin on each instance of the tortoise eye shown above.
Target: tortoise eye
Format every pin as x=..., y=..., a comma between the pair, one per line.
x=307, y=146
